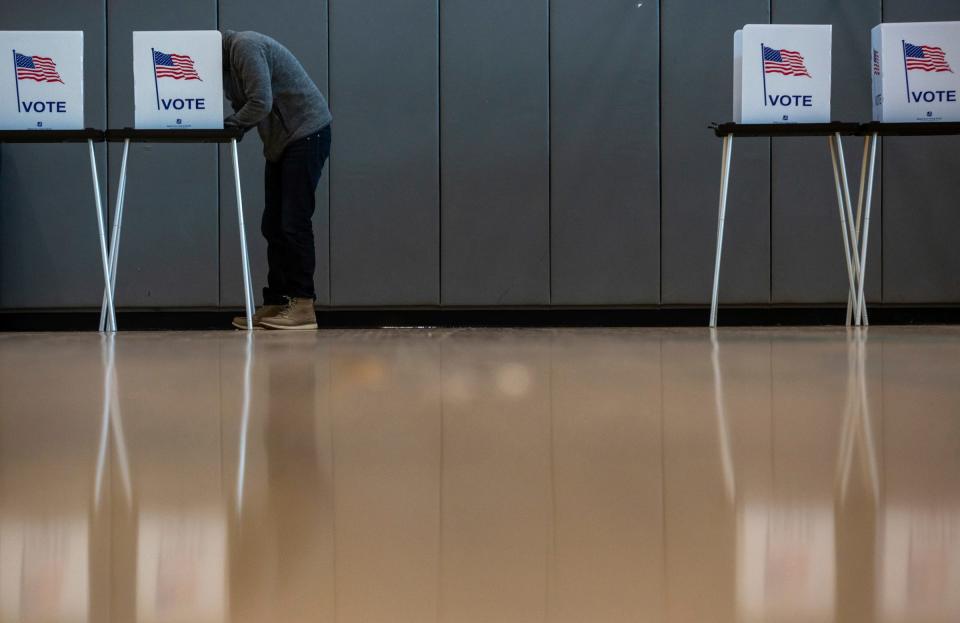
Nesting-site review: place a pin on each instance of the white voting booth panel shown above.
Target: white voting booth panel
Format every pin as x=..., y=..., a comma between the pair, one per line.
x=914, y=72
x=178, y=80
x=782, y=73
x=41, y=84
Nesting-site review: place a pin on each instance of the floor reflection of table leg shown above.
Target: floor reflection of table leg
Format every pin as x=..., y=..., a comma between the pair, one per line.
x=244, y=419
x=723, y=427
x=104, y=443
x=111, y=421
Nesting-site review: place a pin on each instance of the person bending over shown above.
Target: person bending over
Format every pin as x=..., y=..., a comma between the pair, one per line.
x=267, y=87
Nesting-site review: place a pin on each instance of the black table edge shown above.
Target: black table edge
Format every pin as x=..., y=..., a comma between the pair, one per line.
x=174, y=136
x=51, y=136
x=932, y=128
x=772, y=130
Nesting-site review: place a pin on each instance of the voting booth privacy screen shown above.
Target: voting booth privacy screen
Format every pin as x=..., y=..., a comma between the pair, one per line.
x=914, y=72
x=41, y=84
x=782, y=74
x=178, y=80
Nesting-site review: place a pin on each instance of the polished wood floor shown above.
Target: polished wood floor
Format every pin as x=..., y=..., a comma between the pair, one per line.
x=487, y=476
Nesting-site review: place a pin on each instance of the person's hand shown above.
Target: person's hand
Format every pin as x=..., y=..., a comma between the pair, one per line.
x=231, y=124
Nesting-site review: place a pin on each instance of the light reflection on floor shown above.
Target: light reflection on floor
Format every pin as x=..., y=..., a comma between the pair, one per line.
x=481, y=475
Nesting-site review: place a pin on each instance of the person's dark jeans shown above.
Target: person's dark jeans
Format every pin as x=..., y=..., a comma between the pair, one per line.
x=290, y=184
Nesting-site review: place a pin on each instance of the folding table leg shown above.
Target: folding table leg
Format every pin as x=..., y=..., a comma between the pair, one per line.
x=101, y=231
x=724, y=188
x=852, y=237
x=117, y=225
x=247, y=283
x=851, y=301
x=852, y=280
x=861, y=302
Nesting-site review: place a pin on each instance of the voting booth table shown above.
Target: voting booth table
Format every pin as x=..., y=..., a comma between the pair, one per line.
x=782, y=87
x=782, y=81
x=41, y=101
x=178, y=98
x=850, y=224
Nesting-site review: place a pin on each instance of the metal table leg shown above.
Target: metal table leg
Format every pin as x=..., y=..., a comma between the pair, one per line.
x=835, y=155
x=852, y=223
x=101, y=231
x=724, y=191
x=247, y=283
x=871, y=141
x=115, y=234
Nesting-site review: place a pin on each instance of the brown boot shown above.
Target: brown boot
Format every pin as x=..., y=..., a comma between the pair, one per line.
x=296, y=314
x=240, y=322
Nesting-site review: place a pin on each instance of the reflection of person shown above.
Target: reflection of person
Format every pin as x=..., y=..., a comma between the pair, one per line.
x=281, y=549
x=268, y=88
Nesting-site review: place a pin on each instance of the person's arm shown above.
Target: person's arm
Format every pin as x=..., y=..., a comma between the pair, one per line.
x=250, y=62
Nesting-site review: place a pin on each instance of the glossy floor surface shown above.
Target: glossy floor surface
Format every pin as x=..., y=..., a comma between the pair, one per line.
x=481, y=476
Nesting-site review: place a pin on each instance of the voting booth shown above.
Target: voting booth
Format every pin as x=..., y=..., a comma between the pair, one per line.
x=914, y=72
x=41, y=101
x=178, y=79
x=42, y=80
x=178, y=98
x=782, y=81
x=781, y=74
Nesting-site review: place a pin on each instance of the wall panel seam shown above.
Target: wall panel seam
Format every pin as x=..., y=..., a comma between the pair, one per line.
x=220, y=208
x=330, y=299
x=660, y=154
x=439, y=128
x=549, y=152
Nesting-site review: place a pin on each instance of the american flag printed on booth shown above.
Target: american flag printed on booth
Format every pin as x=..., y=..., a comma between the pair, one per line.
x=876, y=63
x=37, y=68
x=925, y=58
x=785, y=62
x=176, y=66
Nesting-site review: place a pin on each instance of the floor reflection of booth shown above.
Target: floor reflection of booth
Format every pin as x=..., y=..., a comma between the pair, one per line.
x=181, y=566
x=44, y=568
x=792, y=544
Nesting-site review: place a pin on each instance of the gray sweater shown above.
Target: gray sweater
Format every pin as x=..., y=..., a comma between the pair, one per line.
x=268, y=88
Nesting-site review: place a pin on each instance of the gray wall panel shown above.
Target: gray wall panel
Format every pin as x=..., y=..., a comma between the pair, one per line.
x=696, y=79
x=169, y=252
x=49, y=254
x=384, y=194
x=921, y=257
x=495, y=153
x=302, y=28
x=808, y=259
x=490, y=153
x=604, y=152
